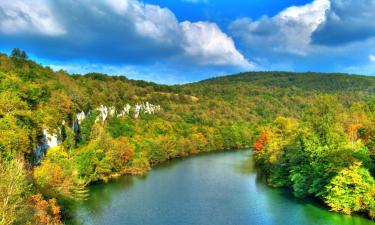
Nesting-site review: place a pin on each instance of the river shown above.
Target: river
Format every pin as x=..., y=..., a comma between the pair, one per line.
x=210, y=189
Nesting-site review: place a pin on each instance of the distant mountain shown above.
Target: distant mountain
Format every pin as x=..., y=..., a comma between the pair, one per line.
x=325, y=82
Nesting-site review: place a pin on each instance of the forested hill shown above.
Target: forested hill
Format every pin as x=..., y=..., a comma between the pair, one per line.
x=323, y=82
x=313, y=133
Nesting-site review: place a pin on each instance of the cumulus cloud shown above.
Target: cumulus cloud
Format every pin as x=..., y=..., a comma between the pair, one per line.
x=209, y=45
x=347, y=21
x=149, y=20
x=289, y=31
x=324, y=35
x=21, y=16
x=322, y=25
x=115, y=31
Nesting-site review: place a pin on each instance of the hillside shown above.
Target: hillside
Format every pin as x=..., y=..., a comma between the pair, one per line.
x=61, y=132
x=322, y=82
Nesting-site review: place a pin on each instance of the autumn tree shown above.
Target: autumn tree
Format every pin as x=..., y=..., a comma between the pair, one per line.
x=45, y=212
x=57, y=177
x=352, y=190
x=13, y=187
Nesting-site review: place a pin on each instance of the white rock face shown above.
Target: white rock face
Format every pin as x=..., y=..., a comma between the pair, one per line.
x=51, y=140
x=78, y=120
x=103, y=110
x=144, y=107
x=125, y=111
x=54, y=139
x=48, y=141
x=150, y=108
x=137, y=110
x=80, y=117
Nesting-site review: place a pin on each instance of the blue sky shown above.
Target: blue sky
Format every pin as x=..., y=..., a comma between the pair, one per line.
x=179, y=41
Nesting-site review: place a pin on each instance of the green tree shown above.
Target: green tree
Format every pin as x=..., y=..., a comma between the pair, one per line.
x=120, y=127
x=18, y=54
x=57, y=177
x=352, y=190
x=13, y=187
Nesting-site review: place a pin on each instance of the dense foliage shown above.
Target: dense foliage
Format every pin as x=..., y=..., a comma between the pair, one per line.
x=328, y=153
x=311, y=132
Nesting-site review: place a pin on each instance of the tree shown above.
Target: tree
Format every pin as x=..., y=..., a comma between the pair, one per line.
x=14, y=140
x=16, y=52
x=23, y=55
x=19, y=54
x=260, y=144
x=13, y=187
x=46, y=212
x=57, y=177
x=69, y=137
x=85, y=129
x=352, y=190
x=120, y=127
x=124, y=151
x=140, y=164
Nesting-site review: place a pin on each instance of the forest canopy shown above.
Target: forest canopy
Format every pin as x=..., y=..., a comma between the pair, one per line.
x=310, y=132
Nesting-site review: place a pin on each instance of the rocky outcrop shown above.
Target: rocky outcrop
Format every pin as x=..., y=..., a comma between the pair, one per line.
x=125, y=111
x=139, y=108
x=146, y=108
x=49, y=140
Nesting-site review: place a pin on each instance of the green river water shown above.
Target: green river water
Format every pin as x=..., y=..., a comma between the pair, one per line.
x=210, y=189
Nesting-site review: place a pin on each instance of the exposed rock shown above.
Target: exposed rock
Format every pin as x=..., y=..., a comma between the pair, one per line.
x=80, y=117
x=103, y=110
x=47, y=141
x=146, y=108
x=137, y=110
x=52, y=140
x=125, y=111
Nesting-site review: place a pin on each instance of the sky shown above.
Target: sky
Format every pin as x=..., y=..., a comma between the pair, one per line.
x=180, y=41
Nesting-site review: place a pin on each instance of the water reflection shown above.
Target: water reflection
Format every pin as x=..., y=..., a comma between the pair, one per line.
x=246, y=165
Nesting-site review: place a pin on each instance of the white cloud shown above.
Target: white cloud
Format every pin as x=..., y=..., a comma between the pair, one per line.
x=119, y=6
x=125, y=27
x=153, y=21
x=209, y=45
x=24, y=16
x=372, y=58
x=148, y=20
x=289, y=31
x=204, y=42
x=298, y=23
x=347, y=21
x=324, y=35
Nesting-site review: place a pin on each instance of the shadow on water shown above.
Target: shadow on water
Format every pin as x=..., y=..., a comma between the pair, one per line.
x=101, y=195
x=245, y=166
x=280, y=201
